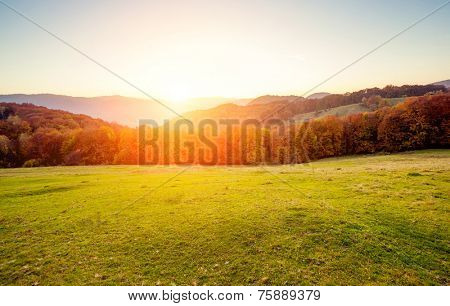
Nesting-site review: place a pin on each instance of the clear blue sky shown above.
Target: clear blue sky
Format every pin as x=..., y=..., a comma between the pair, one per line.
x=181, y=49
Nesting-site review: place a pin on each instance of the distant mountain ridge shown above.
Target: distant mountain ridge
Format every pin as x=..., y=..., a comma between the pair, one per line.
x=445, y=83
x=123, y=110
x=210, y=102
x=233, y=111
x=318, y=95
x=271, y=98
x=128, y=111
x=297, y=108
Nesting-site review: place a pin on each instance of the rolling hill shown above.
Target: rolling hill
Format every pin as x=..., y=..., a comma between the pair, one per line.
x=318, y=95
x=445, y=83
x=123, y=110
x=128, y=111
x=270, y=99
x=298, y=108
x=341, y=111
x=233, y=111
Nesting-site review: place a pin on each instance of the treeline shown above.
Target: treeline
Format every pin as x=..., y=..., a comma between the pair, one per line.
x=36, y=136
x=335, y=100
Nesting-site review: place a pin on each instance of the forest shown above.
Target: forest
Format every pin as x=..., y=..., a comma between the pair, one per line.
x=335, y=100
x=32, y=136
x=418, y=123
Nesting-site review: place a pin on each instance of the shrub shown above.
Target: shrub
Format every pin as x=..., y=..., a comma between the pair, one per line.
x=32, y=163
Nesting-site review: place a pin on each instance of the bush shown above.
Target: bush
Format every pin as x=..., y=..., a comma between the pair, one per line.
x=32, y=163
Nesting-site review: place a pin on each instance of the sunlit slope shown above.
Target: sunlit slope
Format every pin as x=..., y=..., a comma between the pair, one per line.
x=342, y=111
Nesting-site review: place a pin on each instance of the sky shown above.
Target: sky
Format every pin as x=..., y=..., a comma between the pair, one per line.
x=179, y=49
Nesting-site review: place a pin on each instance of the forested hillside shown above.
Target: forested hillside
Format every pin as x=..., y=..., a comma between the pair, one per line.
x=123, y=110
x=418, y=123
x=36, y=136
x=285, y=108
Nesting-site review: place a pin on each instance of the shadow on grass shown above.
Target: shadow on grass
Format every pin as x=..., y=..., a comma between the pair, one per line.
x=41, y=191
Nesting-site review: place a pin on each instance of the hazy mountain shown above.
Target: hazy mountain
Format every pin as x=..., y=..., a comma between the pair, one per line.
x=318, y=95
x=298, y=108
x=443, y=83
x=233, y=111
x=123, y=110
x=269, y=99
x=128, y=111
x=209, y=102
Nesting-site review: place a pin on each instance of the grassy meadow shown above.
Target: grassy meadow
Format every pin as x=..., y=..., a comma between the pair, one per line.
x=363, y=220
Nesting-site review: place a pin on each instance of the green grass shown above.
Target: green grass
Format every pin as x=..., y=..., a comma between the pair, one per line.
x=339, y=111
x=345, y=110
x=366, y=220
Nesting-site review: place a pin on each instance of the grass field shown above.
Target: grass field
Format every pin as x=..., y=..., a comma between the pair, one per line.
x=366, y=220
x=345, y=110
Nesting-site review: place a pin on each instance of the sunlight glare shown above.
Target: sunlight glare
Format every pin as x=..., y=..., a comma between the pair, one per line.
x=180, y=93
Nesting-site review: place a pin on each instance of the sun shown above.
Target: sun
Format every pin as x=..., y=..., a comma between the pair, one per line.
x=180, y=93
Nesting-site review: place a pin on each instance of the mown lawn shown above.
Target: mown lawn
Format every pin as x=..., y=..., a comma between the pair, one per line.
x=372, y=220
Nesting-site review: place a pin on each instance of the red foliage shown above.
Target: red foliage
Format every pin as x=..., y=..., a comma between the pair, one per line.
x=32, y=136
